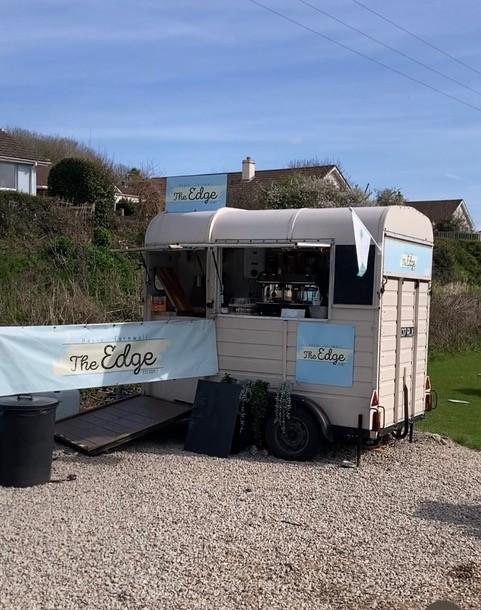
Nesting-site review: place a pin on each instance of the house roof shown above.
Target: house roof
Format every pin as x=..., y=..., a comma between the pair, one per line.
x=239, y=189
x=436, y=209
x=127, y=189
x=12, y=148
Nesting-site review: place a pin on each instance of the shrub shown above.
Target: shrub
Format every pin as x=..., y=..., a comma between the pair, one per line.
x=301, y=191
x=104, y=212
x=102, y=237
x=457, y=261
x=63, y=246
x=455, y=320
x=80, y=181
x=127, y=206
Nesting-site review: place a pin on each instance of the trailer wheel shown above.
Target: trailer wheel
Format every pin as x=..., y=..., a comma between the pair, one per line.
x=301, y=439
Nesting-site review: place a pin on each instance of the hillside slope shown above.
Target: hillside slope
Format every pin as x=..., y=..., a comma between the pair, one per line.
x=51, y=272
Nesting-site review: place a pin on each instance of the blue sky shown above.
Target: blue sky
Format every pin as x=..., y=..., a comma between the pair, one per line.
x=184, y=86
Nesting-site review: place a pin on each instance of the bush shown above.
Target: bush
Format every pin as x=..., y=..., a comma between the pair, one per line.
x=455, y=320
x=104, y=212
x=25, y=216
x=457, y=261
x=102, y=237
x=63, y=246
x=80, y=181
x=127, y=206
x=303, y=191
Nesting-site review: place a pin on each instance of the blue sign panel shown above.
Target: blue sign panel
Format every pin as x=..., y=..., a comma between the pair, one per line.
x=406, y=259
x=48, y=358
x=196, y=193
x=325, y=353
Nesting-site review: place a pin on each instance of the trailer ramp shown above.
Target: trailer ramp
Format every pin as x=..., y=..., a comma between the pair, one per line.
x=117, y=423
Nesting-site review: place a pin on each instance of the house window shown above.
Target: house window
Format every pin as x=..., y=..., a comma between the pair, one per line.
x=24, y=178
x=8, y=173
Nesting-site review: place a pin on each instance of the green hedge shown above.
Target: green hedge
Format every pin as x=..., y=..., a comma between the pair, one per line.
x=457, y=261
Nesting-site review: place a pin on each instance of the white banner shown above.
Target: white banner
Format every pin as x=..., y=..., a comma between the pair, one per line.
x=49, y=358
x=363, y=241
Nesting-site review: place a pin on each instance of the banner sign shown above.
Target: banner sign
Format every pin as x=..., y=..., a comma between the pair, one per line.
x=325, y=353
x=49, y=358
x=406, y=259
x=196, y=193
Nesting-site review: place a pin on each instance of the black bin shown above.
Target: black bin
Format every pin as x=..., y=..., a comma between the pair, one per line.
x=27, y=425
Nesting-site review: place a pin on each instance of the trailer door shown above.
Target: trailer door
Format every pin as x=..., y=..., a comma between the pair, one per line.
x=403, y=351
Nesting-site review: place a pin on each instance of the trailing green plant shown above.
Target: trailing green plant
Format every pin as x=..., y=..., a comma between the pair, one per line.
x=258, y=405
x=244, y=400
x=283, y=405
x=253, y=407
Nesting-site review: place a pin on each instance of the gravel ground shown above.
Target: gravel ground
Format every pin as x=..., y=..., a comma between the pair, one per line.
x=154, y=527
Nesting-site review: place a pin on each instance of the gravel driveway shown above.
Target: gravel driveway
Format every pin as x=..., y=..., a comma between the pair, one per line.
x=153, y=527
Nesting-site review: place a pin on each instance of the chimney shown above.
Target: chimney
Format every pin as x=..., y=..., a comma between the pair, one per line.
x=248, y=169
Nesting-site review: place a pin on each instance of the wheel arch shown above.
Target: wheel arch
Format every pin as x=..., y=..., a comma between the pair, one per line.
x=317, y=411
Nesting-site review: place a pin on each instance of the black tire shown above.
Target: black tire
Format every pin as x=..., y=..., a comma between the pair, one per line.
x=302, y=439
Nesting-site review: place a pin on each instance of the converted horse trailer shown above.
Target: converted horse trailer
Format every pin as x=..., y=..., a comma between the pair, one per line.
x=290, y=306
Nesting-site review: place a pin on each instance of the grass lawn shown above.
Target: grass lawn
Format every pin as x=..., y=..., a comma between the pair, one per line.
x=456, y=376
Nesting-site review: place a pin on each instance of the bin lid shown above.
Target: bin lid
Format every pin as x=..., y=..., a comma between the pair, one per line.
x=25, y=402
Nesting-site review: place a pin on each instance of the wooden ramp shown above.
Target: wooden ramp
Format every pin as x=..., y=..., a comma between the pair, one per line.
x=117, y=423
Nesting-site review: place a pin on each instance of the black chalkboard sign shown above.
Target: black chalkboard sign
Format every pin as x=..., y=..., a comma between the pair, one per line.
x=349, y=289
x=213, y=419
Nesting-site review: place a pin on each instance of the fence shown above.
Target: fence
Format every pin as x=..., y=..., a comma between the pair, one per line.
x=458, y=235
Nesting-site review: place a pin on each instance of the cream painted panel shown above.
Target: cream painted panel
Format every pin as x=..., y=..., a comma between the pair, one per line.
x=360, y=374
x=250, y=323
x=256, y=366
x=363, y=330
x=248, y=350
x=352, y=315
x=257, y=337
x=360, y=389
x=388, y=359
x=389, y=314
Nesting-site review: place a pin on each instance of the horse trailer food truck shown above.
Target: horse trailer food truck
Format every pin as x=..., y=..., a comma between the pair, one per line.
x=290, y=305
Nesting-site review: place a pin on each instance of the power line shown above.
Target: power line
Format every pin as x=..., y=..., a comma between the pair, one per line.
x=364, y=55
x=388, y=46
x=417, y=37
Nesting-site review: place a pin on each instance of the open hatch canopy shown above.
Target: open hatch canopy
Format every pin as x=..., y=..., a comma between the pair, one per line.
x=302, y=227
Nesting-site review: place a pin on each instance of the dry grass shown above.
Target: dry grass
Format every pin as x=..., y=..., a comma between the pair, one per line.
x=455, y=319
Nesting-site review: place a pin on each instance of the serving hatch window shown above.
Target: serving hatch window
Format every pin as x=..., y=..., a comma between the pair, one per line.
x=276, y=281
x=177, y=283
x=349, y=288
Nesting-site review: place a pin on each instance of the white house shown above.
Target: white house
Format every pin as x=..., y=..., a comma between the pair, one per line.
x=18, y=167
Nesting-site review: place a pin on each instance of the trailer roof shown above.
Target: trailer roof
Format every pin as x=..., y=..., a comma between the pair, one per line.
x=230, y=225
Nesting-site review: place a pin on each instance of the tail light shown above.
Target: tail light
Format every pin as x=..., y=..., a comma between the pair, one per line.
x=376, y=408
x=428, y=398
x=376, y=420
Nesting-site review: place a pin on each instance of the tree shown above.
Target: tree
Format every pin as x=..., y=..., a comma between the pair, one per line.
x=453, y=223
x=80, y=181
x=389, y=196
x=55, y=148
x=303, y=191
